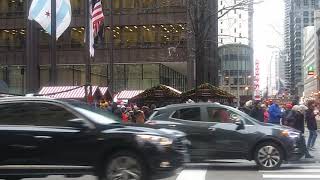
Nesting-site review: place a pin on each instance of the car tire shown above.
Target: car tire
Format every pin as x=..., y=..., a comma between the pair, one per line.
x=127, y=165
x=268, y=156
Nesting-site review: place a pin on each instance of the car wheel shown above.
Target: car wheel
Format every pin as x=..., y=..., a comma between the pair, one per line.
x=268, y=156
x=125, y=166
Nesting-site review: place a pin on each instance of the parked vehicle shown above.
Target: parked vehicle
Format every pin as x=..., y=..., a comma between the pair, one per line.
x=222, y=132
x=41, y=137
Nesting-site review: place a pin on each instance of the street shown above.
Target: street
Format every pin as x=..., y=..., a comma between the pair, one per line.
x=229, y=171
x=237, y=169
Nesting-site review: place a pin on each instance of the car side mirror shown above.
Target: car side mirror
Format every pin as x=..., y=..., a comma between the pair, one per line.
x=239, y=123
x=78, y=123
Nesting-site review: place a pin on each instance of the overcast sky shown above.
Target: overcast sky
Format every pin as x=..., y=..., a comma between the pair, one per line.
x=268, y=30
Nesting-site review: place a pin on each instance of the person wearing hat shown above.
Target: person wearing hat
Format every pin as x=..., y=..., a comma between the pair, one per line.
x=288, y=115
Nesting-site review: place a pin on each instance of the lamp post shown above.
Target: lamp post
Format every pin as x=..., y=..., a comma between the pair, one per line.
x=273, y=57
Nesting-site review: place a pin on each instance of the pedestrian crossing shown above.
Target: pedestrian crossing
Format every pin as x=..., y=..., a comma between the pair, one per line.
x=248, y=172
x=293, y=172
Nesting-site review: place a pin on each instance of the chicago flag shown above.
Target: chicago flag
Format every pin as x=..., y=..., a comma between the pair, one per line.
x=40, y=11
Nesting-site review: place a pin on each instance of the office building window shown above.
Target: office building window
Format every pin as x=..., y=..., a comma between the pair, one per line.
x=149, y=34
x=130, y=35
x=12, y=38
x=235, y=39
x=77, y=37
x=305, y=13
x=221, y=30
x=76, y=6
x=239, y=16
x=305, y=20
x=235, y=11
x=305, y=2
x=148, y=3
x=220, y=2
x=128, y=4
x=298, y=20
x=235, y=30
x=313, y=2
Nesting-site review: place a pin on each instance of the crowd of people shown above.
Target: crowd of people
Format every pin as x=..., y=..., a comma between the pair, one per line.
x=292, y=115
x=129, y=113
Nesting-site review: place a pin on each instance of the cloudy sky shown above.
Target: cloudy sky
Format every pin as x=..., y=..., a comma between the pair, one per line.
x=268, y=31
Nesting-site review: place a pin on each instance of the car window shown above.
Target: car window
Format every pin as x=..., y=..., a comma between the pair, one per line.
x=38, y=114
x=157, y=115
x=51, y=115
x=220, y=115
x=16, y=114
x=191, y=114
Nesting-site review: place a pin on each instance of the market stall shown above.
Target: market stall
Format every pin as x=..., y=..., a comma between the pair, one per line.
x=75, y=92
x=207, y=92
x=160, y=96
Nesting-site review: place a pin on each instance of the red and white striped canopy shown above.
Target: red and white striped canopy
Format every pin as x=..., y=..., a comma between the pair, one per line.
x=67, y=92
x=126, y=95
x=103, y=90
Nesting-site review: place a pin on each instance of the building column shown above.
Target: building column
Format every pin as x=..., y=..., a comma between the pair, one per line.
x=32, y=57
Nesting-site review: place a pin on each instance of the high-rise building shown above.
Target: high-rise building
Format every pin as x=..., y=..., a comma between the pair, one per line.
x=310, y=64
x=299, y=14
x=237, y=70
x=236, y=48
x=235, y=27
x=150, y=46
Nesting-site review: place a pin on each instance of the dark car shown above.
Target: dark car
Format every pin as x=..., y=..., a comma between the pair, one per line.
x=222, y=132
x=41, y=137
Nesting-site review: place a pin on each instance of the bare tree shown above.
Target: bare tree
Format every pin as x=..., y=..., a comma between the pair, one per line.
x=203, y=18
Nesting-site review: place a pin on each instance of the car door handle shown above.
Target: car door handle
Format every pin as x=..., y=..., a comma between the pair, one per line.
x=212, y=128
x=172, y=125
x=43, y=137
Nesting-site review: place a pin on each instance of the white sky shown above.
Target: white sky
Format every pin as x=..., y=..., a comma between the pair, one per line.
x=268, y=19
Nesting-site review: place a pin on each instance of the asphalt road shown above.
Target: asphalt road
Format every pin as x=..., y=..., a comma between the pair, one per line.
x=230, y=171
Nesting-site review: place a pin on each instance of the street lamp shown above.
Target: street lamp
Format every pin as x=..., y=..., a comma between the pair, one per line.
x=246, y=89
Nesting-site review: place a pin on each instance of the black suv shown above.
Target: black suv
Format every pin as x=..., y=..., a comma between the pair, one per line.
x=222, y=132
x=41, y=137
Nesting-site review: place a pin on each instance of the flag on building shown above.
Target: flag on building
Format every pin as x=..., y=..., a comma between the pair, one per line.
x=96, y=22
x=40, y=11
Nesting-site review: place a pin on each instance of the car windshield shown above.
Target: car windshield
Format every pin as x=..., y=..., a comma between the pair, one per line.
x=95, y=114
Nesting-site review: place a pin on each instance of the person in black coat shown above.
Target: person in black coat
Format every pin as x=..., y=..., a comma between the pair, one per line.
x=257, y=112
x=311, y=124
x=296, y=121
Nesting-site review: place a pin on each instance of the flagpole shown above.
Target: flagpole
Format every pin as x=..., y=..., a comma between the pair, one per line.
x=53, y=52
x=111, y=84
x=87, y=49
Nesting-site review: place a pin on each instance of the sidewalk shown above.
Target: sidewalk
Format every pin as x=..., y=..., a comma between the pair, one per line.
x=315, y=153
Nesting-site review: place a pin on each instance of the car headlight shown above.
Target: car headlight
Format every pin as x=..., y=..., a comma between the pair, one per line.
x=290, y=134
x=163, y=141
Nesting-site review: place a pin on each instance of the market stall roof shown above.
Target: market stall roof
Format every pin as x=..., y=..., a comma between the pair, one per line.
x=160, y=91
x=208, y=91
x=66, y=92
x=128, y=94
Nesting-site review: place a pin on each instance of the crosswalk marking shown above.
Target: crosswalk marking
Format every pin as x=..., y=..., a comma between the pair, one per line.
x=294, y=171
x=300, y=172
x=291, y=176
x=192, y=174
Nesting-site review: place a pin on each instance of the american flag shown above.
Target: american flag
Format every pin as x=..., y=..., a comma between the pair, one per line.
x=97, y=16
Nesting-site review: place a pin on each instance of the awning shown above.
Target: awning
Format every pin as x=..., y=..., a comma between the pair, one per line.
x=66, y=92
x=126, y=95
x=173, y=89
x=103, y=90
